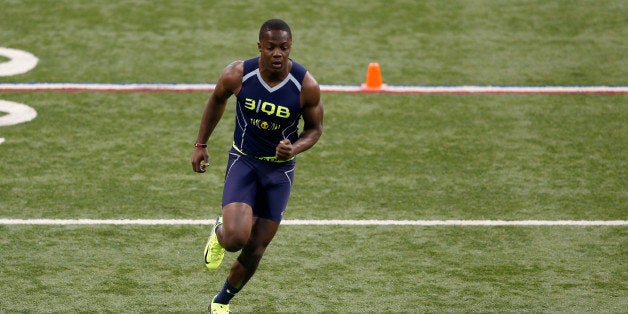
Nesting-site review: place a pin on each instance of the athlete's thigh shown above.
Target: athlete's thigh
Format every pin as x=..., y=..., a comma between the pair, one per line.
x=262, y=233
x=272, y=197
x=238, y=197
x=240, y=181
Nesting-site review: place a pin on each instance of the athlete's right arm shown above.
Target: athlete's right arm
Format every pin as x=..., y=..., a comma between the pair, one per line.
x=228, y=84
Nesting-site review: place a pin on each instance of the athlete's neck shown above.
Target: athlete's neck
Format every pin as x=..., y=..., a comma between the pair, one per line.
x=274, y=77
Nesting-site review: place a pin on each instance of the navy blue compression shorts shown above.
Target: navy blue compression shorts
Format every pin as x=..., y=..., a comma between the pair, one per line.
x=263, y=185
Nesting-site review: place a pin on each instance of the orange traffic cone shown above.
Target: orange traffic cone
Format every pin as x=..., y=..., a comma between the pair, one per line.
x=373, y=77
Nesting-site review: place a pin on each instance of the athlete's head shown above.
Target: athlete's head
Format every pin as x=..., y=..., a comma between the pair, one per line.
x=275, y=41
x=274, y=25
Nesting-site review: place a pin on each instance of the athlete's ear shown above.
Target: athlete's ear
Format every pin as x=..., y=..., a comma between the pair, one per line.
x=259, y=47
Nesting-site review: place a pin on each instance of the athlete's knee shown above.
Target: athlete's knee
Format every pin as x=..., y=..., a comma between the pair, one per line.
x=234, y=239
x=233, y=245
x=236, y=229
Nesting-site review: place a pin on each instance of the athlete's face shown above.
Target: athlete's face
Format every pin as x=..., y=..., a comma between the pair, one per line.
x=275, y=50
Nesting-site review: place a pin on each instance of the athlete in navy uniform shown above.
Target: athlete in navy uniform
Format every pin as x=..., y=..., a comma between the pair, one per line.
x=273, y=93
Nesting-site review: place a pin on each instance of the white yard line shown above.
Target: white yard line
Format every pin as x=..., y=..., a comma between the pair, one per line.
x=299, y=222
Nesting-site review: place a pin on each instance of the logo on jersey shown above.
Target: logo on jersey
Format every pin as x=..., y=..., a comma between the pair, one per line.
x=265, y=125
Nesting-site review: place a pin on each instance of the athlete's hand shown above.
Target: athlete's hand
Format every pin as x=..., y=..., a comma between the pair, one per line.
x=284, y=150
x=200, y=159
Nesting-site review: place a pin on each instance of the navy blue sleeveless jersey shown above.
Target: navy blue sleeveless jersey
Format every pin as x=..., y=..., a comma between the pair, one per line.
x=266, y=115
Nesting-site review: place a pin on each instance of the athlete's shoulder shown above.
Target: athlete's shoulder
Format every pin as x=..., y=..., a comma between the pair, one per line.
x=310, y=90
x=234, y=68
x=231, y=77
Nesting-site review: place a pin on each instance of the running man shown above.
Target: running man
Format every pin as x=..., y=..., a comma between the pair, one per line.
x=273, y=93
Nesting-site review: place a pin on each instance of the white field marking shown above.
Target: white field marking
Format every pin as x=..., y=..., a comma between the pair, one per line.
x=17, y=113
x=387, y=89
x=299, y=222
x=20, y=61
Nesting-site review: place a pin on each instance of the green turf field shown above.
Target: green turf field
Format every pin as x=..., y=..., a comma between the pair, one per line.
x=382, y=156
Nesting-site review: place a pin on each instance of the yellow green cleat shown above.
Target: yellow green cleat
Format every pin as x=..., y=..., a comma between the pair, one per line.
x=217, y=308
x=214, y=253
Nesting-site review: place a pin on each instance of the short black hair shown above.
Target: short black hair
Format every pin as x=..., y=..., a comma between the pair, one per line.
x=274, y=25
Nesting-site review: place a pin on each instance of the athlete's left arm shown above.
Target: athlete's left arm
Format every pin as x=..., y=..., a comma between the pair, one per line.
x=312, y=113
